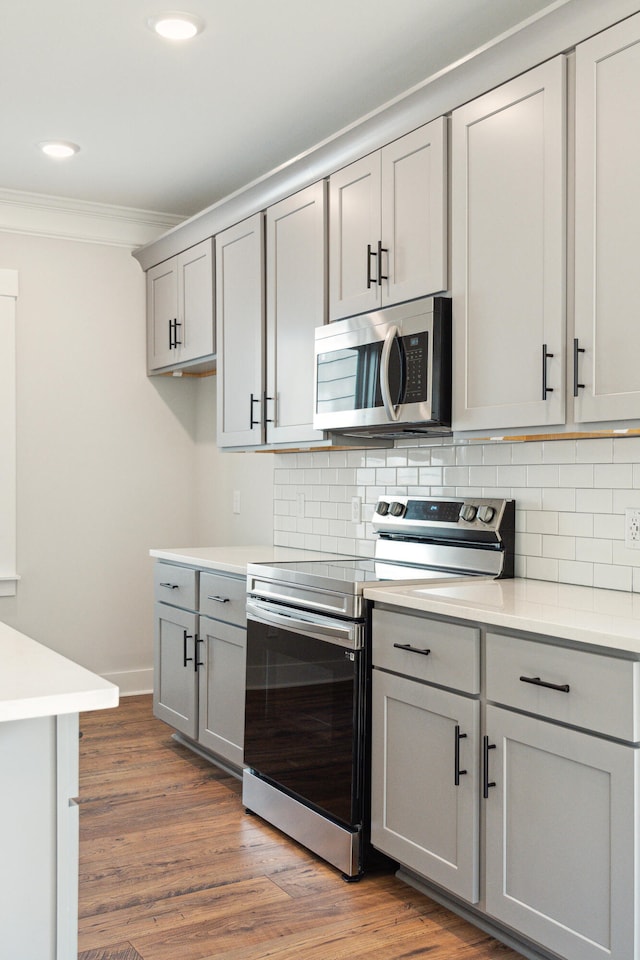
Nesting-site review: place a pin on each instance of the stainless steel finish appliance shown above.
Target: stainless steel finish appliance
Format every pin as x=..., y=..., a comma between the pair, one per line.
x=386, y=373
x=308, y=663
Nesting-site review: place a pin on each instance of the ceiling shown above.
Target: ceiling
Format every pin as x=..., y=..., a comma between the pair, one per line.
x=174, y=127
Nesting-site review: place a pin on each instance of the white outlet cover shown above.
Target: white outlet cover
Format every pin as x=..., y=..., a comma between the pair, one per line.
x=632, y=528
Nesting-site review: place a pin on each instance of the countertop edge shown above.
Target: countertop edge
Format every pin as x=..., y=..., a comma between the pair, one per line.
x=555, y=624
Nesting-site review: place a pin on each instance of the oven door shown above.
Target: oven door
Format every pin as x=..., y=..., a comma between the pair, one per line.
x=304, y=715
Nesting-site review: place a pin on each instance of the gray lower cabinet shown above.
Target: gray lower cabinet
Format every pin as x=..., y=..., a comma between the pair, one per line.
x=424, y=774
x=200, y=657
x=553, y=773
x=39, y=862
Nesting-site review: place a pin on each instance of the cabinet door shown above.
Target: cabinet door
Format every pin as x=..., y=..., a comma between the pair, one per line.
x=175, y=684
x=607, y=239
x=296, y=305
x=562, y=836
x=196, y=330
x=354, y=228
x=508, y=253
x=414, y=212
x=239, y=326
x=162, y=314
x=422, y=737
x=223, y=654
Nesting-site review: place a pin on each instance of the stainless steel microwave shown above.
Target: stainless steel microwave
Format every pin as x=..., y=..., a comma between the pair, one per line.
x=386, y=373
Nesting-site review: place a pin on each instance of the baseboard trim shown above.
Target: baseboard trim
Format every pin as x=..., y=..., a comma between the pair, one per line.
x=132, y=682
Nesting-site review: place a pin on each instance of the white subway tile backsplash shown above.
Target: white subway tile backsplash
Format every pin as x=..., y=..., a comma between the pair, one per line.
x=614, y=475
x=570, y=494
x=575, y=524
x=558, y=498
x=594, y=501
x=542, y=521
x=608, y=525
x=543, y=475
x=612, y=577
x=575, y=475
x=512, y=476
x=456, y=476
x=626, y=450
x=595, y=451
x=559, y=451
x=593, y=550
x=562, y=548
x=483, y=476
x=497, y=453
x=574, y=571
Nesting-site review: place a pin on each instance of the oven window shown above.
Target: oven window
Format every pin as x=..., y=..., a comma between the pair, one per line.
x=302, y=723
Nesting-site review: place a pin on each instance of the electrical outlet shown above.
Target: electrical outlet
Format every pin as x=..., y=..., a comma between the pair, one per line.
x=356, y=509
x=632, y=528
x=236, y=501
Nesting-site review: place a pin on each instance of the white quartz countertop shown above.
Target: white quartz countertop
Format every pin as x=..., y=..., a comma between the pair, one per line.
x=582, y=615
x=233, y=559
x=38, y=682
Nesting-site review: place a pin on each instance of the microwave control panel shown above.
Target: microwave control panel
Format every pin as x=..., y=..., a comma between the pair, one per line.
x=415, y=347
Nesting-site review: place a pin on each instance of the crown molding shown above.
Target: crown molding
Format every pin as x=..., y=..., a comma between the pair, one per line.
x=63, y=218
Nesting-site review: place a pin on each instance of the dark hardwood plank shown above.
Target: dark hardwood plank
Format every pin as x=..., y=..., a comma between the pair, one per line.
x=171, y=868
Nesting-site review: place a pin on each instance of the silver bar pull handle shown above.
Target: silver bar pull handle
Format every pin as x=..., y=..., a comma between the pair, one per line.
x=219, y=599
x=391, y=409
x=171, y=586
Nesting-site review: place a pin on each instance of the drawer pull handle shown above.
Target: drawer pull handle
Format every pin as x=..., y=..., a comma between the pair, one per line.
x=486, y=783
x=407, y=646
x=219, y=599
x=457, y=772
x=171, y=586
x=537, y=682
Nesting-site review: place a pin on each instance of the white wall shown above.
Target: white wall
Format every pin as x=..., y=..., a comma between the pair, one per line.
x=219, y=473
x=105, y=458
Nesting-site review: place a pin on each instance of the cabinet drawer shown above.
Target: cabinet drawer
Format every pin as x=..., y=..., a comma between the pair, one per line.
x=454, y=651
x=176, y=585
x=224, y=598
x=601, y=692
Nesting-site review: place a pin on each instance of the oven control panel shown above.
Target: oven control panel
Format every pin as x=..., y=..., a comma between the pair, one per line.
x=448, y=516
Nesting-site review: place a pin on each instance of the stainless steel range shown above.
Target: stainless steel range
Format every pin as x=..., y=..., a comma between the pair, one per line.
x=308, y=663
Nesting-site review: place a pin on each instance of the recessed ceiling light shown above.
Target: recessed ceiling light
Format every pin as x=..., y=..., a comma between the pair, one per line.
x=176, y=26
x=59, y=149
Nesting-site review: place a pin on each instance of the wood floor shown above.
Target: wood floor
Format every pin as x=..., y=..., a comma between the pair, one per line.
x=172, y=868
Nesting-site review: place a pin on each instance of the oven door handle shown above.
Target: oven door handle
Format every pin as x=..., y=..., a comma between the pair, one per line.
x=344, y=635
x=392, y=409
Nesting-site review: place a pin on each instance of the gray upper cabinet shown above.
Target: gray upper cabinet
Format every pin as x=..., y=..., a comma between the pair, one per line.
x=296, y=305
x=387, y=214
x=508, y=253
x=180, y=319
x=606, y=374
x=239, y=325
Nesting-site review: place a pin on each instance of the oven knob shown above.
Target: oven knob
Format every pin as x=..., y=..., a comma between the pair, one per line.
x=486, y=514
x=382, y=508
x=397, y=509
x=468, y=512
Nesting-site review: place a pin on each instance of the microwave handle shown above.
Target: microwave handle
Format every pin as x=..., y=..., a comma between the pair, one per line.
x=392, y=410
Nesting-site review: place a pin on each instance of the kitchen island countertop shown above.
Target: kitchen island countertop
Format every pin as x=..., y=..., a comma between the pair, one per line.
x=35, y=681
x=607, y=619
